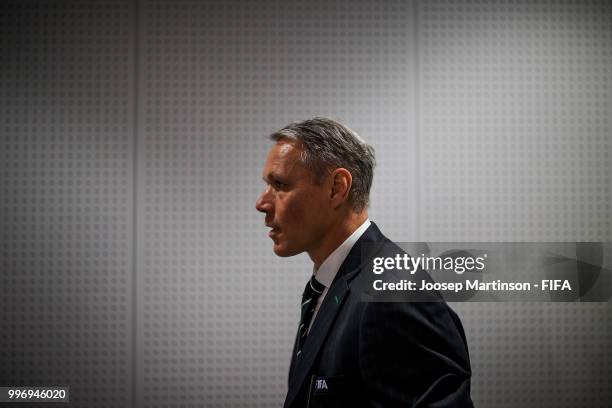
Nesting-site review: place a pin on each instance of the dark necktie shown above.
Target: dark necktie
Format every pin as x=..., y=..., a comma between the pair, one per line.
x=313, y=290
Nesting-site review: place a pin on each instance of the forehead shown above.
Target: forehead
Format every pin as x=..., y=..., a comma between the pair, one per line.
x=284, y=156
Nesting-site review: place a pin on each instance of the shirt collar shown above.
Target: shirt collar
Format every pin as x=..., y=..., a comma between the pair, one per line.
x=330, y=266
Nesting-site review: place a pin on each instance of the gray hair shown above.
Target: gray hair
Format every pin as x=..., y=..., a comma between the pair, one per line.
x=326, y=145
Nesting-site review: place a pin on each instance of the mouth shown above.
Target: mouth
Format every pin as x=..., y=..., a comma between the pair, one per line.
x=273, y=230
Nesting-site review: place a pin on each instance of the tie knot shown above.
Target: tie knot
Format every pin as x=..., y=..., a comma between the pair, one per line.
x=313, y=288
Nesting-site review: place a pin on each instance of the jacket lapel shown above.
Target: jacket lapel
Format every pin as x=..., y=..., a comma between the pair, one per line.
x=318, y=332
x=334, y=299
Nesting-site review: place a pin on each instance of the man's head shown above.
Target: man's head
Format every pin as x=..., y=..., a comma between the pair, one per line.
x=318, y=173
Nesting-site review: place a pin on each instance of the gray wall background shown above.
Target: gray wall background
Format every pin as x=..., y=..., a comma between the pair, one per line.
x=133, y=265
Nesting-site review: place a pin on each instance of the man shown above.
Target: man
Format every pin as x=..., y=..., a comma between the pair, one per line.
x=349, y=352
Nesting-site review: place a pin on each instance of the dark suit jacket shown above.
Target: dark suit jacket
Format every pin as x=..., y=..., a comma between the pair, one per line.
x=379, y=354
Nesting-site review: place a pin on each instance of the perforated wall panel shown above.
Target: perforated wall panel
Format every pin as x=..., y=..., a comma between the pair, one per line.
x=515, y=100
x=66, y=198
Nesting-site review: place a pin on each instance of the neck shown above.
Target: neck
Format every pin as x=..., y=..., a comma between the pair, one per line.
x=337, y=233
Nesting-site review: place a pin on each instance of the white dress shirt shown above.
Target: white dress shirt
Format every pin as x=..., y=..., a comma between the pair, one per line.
x=330, y=266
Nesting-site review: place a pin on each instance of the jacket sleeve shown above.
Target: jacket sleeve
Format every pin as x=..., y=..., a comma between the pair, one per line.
x=413, y=355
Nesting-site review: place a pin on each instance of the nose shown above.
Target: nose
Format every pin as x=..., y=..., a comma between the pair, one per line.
x=264, y=203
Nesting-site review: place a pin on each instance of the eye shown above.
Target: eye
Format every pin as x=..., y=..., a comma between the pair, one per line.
x=278, y=185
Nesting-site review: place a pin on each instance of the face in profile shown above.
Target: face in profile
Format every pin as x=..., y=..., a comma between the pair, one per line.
x=297, y=208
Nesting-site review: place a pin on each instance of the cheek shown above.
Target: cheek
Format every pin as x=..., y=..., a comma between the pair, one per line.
x=301, y=211
x=294, y=212
x=311, y=210
x=285, y=209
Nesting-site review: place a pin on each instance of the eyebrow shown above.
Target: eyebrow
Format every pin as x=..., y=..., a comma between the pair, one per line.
x=269, y=176
x=273, y=176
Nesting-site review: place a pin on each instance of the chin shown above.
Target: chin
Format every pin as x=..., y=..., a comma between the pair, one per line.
x=285, y=252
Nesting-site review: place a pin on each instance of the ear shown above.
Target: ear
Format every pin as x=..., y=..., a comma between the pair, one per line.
x=341, y=186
